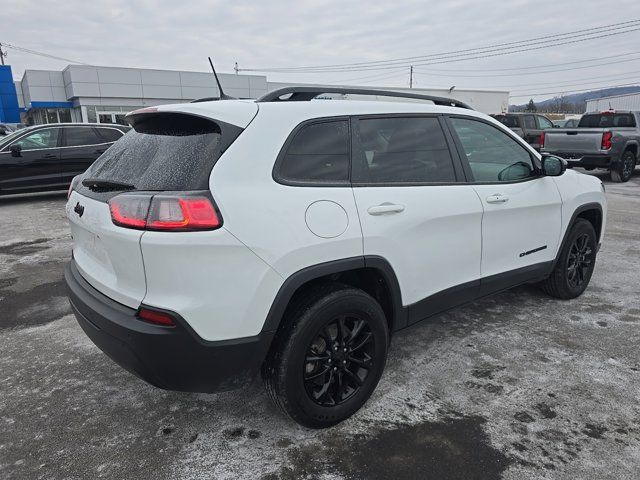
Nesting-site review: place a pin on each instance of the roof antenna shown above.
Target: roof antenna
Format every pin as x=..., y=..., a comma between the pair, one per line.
x=223, y=96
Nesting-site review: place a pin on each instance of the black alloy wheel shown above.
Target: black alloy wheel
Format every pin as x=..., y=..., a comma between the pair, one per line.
x=339, y=360
x=579, y=261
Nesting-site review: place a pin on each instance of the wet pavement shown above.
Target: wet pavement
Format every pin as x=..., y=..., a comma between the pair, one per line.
x=516, y=386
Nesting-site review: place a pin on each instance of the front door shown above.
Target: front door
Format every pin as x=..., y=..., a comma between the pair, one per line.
x=415, y=210
x=33, y=164
x=522, y=209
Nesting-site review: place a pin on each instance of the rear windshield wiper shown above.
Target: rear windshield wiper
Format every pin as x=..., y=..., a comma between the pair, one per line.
x=98, y=184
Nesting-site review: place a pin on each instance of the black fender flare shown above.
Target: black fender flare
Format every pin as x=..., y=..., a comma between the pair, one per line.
x=301, y=277
x=578, y=211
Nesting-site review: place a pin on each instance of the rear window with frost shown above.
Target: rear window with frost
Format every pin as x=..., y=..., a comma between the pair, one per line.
x=165, y=152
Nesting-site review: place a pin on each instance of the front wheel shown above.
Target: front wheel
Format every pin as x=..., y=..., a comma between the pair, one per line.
x=625, y=167
x=330, y=359
x=574, y=268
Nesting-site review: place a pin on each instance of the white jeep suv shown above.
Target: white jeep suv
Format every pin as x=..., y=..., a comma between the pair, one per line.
x=294, y=236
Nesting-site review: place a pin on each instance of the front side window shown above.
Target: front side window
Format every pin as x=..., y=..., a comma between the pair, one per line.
x=79, y=136
x=45, y=138
x=493, y=155
x=402, y=150
x=319, y=152
x=544, y=122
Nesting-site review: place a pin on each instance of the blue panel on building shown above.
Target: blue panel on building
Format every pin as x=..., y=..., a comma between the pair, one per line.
x=9, y=110
x=51, y=104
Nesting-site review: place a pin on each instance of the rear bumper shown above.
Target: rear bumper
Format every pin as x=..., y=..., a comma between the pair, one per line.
x=597, y=160
x=173, y=358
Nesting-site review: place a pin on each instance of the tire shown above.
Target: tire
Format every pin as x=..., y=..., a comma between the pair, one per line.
x=624, y=170
x=567, y=280
x=296, y=383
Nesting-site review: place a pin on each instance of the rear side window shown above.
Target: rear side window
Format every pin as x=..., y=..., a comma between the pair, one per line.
x=79, y=136
x=530, y=122
x=109, y=134
x=318, y=152
x=165, y=151
x=604, y=120
x=402, y=150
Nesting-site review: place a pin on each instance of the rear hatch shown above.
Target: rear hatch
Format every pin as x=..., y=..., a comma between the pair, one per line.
x=167, y=151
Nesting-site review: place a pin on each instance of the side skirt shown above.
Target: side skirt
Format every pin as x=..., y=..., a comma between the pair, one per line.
x=470, y=291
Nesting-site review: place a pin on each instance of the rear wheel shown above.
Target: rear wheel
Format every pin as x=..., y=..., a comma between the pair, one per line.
x=574, y=268
x=623, y=171
x=331, y=357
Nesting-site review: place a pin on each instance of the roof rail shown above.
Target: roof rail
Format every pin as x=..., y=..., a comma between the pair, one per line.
x=302, y=94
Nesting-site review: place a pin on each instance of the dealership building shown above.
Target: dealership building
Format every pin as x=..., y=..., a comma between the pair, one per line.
x=82, y=93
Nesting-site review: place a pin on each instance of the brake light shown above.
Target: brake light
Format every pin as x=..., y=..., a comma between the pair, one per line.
x=541, y=139
x=156, y=317
x=72, y=185
x=606, y=140
x=130, y=210
x=171, y=213
x=164, y=212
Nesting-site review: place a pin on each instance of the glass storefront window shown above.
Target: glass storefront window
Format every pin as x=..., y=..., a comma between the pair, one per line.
x=51, y=115
x=65, y=115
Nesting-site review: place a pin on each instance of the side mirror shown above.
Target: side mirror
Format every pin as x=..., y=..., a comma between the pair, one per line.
x=15, y=150
x=553, y=166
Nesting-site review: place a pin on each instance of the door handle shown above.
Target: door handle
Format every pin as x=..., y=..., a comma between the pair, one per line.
x=49, y=156
x=385, y=209
x=497, y=198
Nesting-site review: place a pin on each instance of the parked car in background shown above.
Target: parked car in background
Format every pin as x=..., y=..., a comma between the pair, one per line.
x=5, y=130
x=606, y=140
x=47, y=157
x=527, y=125
x=294, y=237
x=566, y=123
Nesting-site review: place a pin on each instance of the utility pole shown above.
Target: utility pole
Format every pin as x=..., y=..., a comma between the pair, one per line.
x=411, y=77
x=2, y=54
x=236, y=68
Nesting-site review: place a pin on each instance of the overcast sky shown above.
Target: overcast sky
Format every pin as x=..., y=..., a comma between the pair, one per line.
x=179, y=35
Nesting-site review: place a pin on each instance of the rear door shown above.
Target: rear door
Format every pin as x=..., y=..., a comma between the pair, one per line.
x=522, y=209
x=81, y=146
x=531, y=131
x=35, y=166
x=415, y=210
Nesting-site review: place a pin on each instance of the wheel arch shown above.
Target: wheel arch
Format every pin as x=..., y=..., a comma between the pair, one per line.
x=592, y=212
x=373, y=274
x=633, y=146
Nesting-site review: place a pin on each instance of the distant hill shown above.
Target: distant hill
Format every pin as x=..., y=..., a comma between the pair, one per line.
x=575, y=102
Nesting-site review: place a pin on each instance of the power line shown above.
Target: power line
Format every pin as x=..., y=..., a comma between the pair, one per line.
x=42, y=54
x=564, y=92
x=552, y=40
x=608, y=78
x=539, y=72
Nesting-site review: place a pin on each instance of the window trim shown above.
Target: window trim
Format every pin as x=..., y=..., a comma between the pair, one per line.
x=275, y=172
x=7, y=149
x=465, y=163
x=458, y=170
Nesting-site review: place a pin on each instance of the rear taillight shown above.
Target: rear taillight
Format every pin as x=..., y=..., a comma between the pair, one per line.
x=156, y=317
x=606, y=140
x=164, y=212
x=541, y=139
